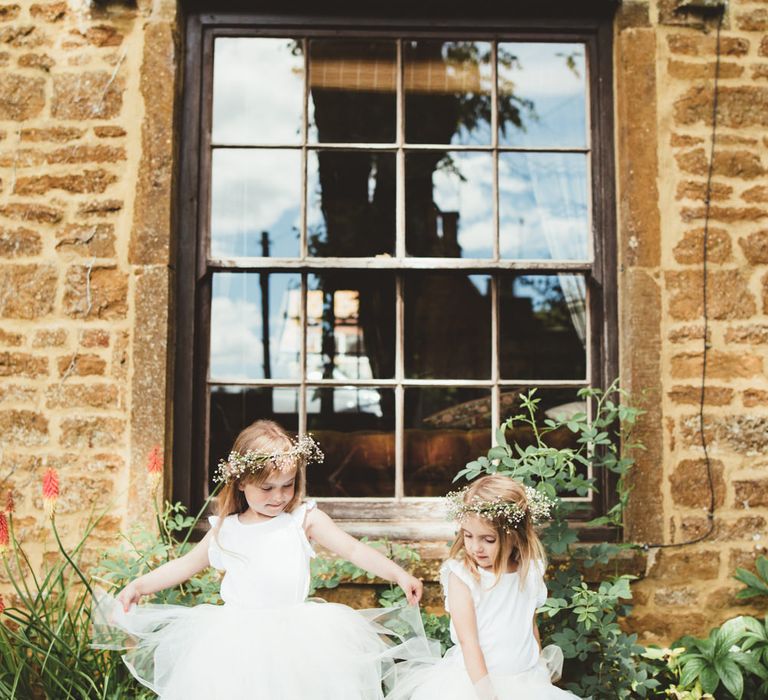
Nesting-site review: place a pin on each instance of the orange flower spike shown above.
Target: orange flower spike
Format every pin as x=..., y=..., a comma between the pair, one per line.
x=5, y=539
x=2, y=604
x=155, y=466
x=50, y=490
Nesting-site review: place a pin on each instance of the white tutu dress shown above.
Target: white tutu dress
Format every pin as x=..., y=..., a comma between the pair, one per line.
x=504, y=613
x=267, y=640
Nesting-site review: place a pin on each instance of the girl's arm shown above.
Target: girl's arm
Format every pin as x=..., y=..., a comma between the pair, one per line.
x=536, y=631
x=320, y=528
x=169, y=574
x=465, y=622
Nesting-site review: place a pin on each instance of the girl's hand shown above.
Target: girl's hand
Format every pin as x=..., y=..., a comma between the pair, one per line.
x=129, y=595
x=484, y=689
x=411, y=586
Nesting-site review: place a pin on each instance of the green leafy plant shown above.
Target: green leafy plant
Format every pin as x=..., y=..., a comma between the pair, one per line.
x=721, y=658
x=45, y=647
x=756, y=584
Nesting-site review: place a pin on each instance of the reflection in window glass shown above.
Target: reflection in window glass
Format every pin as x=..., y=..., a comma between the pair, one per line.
x=255, y=330
x=449, y=204
x=448, y=92
x=351, y=203
x=543, y=206
x=352, y=91
x=542, y=95
x=448, y=326
x=444, y=429
x=542, y=326
x=350, y=325
x=257, y=105
x=255, y=203
x=233, y=408
x=355, y=427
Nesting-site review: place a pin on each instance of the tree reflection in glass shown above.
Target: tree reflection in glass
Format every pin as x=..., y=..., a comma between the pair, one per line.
x=451, y=196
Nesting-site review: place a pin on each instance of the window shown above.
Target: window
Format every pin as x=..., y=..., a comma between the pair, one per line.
x=386, y=236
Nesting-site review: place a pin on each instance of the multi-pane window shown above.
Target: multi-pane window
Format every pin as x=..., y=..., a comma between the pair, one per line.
x=397, y=235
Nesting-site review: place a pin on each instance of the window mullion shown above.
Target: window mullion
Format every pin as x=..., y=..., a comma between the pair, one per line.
x=304, y=156
x=303, y=357
x=400, y=158
x=399, y=390
x=495, y=391
x=495, y=146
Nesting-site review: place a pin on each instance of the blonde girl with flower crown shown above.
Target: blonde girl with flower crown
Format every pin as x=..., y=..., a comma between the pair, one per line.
x=266, y=640
x=493, y=582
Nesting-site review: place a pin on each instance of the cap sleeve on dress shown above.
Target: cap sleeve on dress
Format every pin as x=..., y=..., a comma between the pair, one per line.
x=214, y=550
x=452, y=566
x=541, y=587
x=299, y=515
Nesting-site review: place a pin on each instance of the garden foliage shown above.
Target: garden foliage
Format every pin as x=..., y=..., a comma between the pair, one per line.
x=45, y=650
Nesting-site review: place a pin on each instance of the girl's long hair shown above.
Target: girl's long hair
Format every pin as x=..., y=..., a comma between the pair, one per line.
x=263, y=437
x=519, y=543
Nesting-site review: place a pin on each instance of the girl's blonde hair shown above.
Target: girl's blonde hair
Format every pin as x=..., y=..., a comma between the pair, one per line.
x=519, y=544
x=262, y=437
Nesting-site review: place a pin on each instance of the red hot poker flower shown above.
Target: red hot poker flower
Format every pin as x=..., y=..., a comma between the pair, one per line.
x=5, y=539
x=50, y=490
x=155, y=466
x=155, y=461
x=2, y=604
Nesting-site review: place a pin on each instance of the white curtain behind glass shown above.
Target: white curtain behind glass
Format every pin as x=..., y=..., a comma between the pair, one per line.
x=559, y=187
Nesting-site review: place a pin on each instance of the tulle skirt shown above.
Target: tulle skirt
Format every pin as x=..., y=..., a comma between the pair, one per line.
x=447, y=679
x=314, y=650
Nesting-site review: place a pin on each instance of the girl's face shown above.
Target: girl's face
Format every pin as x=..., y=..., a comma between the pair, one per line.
x=270, y=497
x=480, y=541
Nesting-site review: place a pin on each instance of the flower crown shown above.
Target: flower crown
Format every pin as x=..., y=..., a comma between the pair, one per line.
x=538, y=506
x=238, y=464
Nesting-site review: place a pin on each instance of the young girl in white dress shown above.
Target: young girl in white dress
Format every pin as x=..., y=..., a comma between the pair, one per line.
x=493, y=583
x=267, y=640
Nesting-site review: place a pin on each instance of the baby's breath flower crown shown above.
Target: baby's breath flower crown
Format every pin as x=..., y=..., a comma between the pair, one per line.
x=510, y=514
x=237, y=465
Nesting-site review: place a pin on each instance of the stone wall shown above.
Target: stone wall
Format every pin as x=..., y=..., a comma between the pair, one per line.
x=87, y=145
x=665, y=65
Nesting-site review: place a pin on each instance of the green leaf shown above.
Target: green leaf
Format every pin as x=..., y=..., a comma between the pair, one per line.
x=709, y=679
x=692, y=669
x=731, y=677
x=756, y=585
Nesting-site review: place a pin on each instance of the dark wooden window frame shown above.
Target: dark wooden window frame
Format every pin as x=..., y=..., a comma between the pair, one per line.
x=592, y=25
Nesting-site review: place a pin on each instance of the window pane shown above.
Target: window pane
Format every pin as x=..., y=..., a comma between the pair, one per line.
x=352, y=91
x=355, y=427
x=234, y=408
x=542, y=95
x=543, y=206
x=255, y=332
x=444, y=429
x=542, y=327
x=253, y=193
x=448, y=88
x=448, y=326
x=351, y=203
x=258, y=91
x=350, y=325
x=449, y=204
